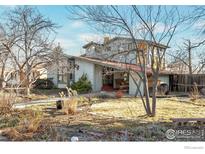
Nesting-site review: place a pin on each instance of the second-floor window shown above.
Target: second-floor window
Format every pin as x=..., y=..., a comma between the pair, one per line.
x=130, y=46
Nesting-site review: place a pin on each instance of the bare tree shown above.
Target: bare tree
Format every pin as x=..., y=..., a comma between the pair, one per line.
x=28, y=41
x=6, y=65
x=61, y=63
x=185, y=55
x=3, y=60
x=156, y=24
x=191, y=58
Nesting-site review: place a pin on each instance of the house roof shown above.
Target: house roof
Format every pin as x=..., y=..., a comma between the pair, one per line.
x=123, y=66
x=91, y=43
x=138, y=40
x=114, y=64
x=127, y=38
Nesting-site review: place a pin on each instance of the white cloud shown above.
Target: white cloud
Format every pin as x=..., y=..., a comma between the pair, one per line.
x=66, y=44
x=199, y=24
x=77, y=24
x=8, y=6
x=74, y=46
x=87, y=37
x=161, y=27
x=70, y=47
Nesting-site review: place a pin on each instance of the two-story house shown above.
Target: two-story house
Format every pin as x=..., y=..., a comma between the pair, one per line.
x=121, y=52
x=107, y=64
x=122, y=49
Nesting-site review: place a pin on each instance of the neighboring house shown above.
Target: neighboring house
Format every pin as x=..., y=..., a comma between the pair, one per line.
x=9, y=77
x=62, y=73
x=13, y=78
x=108, y=72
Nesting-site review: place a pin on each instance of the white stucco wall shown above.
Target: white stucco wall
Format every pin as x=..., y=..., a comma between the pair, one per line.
x=133, y=87
x=164, y=78
x=85, y=67
x=61, y=85
x=52, y=74
x=98, y=78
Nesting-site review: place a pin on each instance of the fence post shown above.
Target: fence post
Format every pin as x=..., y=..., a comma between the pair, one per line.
x=59, y=104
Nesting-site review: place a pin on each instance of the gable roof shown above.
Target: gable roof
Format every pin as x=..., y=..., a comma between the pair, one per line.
x=138, y=40
x=127, y=38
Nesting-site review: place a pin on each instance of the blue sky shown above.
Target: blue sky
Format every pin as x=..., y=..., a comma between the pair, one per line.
x=72, y=35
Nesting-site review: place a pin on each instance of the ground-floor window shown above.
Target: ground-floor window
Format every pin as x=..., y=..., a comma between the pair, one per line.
x=108, y=76
x=62, y=78
x=115, y=79
x=71, y=76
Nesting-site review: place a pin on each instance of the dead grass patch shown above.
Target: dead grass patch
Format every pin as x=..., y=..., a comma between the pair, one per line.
x=28, y=123
x=132, y=108
x=70, y=106
x=6, y=104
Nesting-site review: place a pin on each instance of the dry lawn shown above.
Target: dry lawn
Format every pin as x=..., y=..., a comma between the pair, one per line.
x=106, y=120
x=132, y=108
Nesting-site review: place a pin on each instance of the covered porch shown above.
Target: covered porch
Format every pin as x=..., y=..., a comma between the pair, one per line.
x=113, y=79
x=109, y=75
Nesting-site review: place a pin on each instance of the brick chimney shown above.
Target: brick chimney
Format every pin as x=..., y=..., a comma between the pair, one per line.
x=106, y=39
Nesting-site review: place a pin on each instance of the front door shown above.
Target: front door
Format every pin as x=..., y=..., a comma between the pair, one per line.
x=107, y=77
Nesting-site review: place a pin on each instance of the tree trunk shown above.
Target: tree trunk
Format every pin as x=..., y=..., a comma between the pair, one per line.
x=190, y=62
x=186, y=82
x=28, y=87
x=1, y=83
x=191, y=75
x=146, y=90
x=2, y=76
x=154, y=94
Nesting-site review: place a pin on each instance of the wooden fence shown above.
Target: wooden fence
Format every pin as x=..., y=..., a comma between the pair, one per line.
x=185, y=82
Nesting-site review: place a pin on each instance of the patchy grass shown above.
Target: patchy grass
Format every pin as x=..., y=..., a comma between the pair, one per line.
x=132, y=108
x=22, y=124
x=120, y=120
x=10, y=121
x=105, y=120
x=6, y=102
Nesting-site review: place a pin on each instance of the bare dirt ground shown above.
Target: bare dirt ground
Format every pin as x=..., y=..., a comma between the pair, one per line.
x=91, y=127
